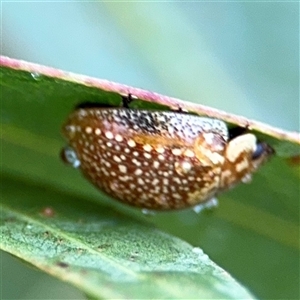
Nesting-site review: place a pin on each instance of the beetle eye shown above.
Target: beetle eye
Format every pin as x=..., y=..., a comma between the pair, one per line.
x=259, y=151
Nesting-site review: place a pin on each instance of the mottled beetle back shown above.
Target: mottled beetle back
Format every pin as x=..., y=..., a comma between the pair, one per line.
x=159, y=160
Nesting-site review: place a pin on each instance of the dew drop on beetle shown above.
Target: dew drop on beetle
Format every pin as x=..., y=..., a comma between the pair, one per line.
x=69, y=156
x=210, y=204
x=159, y=160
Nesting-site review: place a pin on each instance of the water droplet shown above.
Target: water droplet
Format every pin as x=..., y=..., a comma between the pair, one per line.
x=208, y=205
x=197, y=250
x=36, y=75
x=28, y=226
x=204, y=257
x=247, y=178
x=148, y=212
x=69, y=156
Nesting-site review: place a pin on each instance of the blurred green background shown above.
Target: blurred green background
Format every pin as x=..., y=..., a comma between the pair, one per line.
x=242, y=57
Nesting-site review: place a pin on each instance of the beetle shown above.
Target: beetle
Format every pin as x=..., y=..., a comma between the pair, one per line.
x=159, y=160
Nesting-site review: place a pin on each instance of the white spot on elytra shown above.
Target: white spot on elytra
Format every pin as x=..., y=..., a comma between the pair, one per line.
x=155, y=181
x=118, y=138
x=88, y=130
x=82, y=113
x=147, y=155
x=132, y=186
x=140, y=181
x=186, y=166
x=97, y=131
x=136, y=162
x=177, y=180
x=156, y=164
x=116, y=159
x=160, y=149
x=177, y=196
x=124, y=178
x=147, y=147
x=176, y=151
x=71, y=129
x=108, y=164
x=156, y=190
x=160, y=157
x=122, y=168
x=165, y=189
x=189, y=153
x=182, y=167
x=109, y=135
x=138, y=172
x=131, y=143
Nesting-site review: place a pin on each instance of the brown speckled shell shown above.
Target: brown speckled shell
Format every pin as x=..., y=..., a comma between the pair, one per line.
x=155, y=160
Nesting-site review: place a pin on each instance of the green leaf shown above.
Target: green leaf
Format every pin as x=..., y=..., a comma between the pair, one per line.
x=48, y=218
x=105, y=253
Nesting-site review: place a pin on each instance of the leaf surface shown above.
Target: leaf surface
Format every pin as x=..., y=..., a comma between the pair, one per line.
x=109, y=254
x=103, y=252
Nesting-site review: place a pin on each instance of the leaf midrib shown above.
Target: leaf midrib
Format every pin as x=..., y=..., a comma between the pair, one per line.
x=70, y=238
